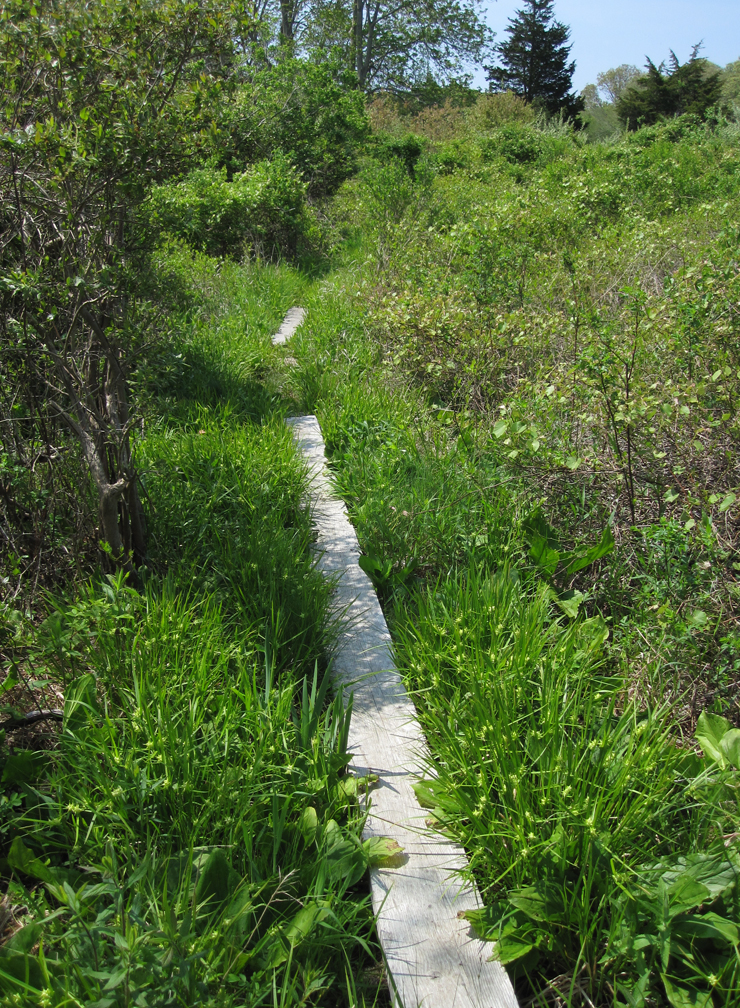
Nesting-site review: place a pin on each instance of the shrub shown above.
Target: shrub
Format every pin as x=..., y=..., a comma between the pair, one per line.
x=407, y=149
x=494, y=110
x=303, y=112
x=263, y=209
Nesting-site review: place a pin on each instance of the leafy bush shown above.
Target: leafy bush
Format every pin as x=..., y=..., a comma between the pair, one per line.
x=407, y=149
x=532, y=376
x=303, y=111
x=262, y=210
x=492, y=111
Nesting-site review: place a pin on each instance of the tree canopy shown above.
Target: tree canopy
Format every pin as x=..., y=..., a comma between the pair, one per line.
x=671, y=90
x=535, y=60
x=393, y=45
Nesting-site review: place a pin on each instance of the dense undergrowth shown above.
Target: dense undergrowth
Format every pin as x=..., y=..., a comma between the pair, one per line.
x=527, y=378
x=525, y=363
x=190, y=835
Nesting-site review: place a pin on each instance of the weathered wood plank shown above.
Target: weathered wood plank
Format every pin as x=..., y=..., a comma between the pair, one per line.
x=293, y=319
x=432, y=957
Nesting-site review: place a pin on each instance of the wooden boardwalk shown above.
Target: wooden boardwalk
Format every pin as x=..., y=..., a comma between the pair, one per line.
x=289, y=325
x=432, y=957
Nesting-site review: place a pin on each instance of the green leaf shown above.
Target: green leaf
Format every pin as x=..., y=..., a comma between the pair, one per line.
x=727, y=502
x=709, y=925
x=698, y=618
x=308, y=824
x=681, y=995
x=538, y=903
x=730, y=747
x=302, y=924
x=295, y=932
x=23, y=860
x=383, y=852
x=432, y=794
x=570, y=602
x=11, y=680
x=214, y=888
x=500, y=428
x=377, y=570
x=25, y=766
x=695, y=879
x=486, y=921
x=545, y=558
x=604, y=546
x=511, y=947
x=25, y=939
x=81, y=704
x=343, y=856
x=20, y=972
x=710, y=730
x=572, y=462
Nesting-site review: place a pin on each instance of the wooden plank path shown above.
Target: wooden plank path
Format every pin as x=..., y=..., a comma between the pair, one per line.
x=432, y=957
x=289, y=325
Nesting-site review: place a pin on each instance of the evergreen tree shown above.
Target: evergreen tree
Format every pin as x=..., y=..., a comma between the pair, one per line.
x=670, y=91
x=535, y=60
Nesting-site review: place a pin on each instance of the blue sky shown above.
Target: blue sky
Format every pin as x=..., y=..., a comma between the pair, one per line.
x=605, y=33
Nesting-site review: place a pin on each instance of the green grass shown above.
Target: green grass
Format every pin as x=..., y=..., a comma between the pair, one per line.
x=468, y=370
x=569, y=796
x=193, y=838
x=529, y=350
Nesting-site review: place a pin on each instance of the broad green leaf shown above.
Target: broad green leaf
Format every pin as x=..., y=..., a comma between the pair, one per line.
x=486, y=921
x=709, y=925
x=20, y=972
x=214, y=883
x=303, y=922
x=681, y=995
x=500, y=428
x=21, y=859
x=697, y=878
x=546, y=559
x=604, y=546
x=727, y=501
x=296, y=931
x=25, y=939
x=572, y=462
x=710, y=730
x=698, y=618
x=511, y=947
x=431, y=793
x=730, y=747
x=686, y=893
x=343, y=855
x=25, y=766
x=308, y=824
x=538, y=903
x=536, y=525
x=11, y=680
x=570, y=602
x=596, y=632
x=383, y=852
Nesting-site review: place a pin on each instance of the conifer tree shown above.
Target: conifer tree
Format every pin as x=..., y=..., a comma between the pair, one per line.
x=669, y=91
x=534, y=60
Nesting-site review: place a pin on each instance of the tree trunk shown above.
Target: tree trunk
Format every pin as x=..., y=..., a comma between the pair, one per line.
x=287, y=20
x=357, y=54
